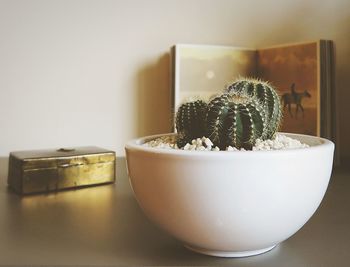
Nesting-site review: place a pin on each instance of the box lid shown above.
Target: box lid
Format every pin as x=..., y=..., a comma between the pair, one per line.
x=63, y=157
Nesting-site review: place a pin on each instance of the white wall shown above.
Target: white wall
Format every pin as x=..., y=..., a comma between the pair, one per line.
x=97, y=72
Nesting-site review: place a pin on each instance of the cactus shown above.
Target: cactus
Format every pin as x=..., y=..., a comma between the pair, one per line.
x=267, y=98
x=190, y=121
x=235, y=122
x=247, y=110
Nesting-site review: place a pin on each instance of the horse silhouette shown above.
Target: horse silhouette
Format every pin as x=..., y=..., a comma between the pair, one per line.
x=294, y=98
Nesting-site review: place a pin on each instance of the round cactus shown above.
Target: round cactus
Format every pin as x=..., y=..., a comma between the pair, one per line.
x=190, y=121
x=267, y=98
x=248, y=110
x=235, y=122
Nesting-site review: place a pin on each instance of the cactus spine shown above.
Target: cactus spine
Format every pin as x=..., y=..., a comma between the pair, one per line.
x=247, y=110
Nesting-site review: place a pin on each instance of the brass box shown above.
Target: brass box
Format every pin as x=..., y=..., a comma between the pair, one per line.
x=52, y=170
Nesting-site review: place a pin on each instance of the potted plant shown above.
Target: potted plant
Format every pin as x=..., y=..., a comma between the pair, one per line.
x=234, y=203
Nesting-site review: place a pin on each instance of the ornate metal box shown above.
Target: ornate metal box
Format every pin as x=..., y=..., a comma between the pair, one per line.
x=52, y=170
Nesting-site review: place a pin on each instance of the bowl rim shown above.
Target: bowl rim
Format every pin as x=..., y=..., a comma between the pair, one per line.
x=136, y=145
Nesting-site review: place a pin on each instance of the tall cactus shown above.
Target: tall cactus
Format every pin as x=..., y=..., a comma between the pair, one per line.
x=247, y=110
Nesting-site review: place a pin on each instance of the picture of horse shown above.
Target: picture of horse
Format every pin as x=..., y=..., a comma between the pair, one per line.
x=293, y=70
x=294, y=98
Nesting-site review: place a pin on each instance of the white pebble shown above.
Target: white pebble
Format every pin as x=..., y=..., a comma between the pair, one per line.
x=187, y=146
x=205, y=144
x=229, y=148
x=208, y=142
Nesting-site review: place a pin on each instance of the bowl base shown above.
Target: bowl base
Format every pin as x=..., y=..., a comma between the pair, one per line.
x=229, y=254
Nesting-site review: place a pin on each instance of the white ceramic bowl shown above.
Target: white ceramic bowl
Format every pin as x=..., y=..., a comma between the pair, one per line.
x=230, y=204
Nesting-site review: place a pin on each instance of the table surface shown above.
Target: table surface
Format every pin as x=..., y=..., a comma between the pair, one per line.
x=104, y=226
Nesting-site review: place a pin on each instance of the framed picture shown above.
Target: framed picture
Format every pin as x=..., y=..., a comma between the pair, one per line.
x=301, y=73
